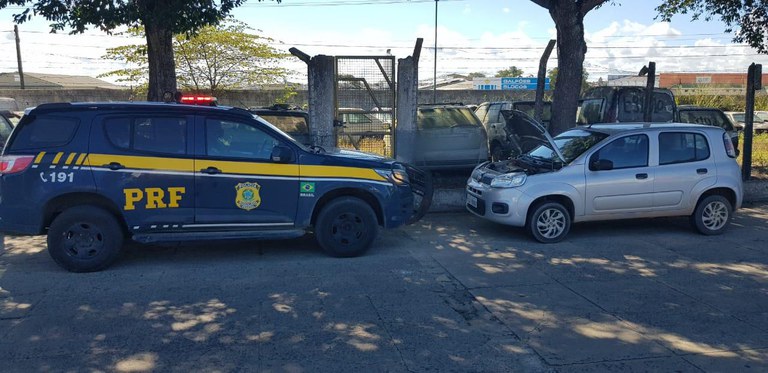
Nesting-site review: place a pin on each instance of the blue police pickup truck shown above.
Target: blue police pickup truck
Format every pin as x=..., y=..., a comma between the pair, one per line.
x=92, y=175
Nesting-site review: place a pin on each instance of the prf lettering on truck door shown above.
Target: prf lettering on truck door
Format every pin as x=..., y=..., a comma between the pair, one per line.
x=154, y=198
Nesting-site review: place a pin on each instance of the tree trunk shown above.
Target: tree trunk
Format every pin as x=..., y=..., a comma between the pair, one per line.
x=571, y=49
x=162, y=68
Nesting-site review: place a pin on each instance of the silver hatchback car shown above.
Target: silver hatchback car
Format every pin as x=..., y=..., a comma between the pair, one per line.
x=612, y=171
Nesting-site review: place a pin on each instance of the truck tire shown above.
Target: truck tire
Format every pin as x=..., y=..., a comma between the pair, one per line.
x=346, y=227
x=85, y=239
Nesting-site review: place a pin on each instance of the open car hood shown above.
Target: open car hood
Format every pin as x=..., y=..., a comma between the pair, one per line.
x=521, y=126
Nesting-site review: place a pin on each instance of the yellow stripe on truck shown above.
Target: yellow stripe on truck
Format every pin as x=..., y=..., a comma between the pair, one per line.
x=339, y=171
x=39, y=157
x=70, y=158
x=233, y=167
x=146, y=163
x=57, y=158
x=250, y=168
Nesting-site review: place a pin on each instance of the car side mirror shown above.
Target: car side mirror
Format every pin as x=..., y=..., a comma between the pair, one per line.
x=282, y=154
x=601, y=165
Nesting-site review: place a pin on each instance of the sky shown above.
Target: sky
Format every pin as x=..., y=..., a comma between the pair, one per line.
x=472, y=36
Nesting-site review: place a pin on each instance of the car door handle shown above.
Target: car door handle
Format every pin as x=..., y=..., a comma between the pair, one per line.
x=641, y=176
x=211, y=171
x=701, y=171
x=114, y=166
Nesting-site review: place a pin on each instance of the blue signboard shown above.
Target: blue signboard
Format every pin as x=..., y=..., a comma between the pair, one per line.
x=522, y=83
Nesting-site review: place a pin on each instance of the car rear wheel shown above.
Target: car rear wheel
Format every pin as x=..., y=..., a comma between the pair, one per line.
x=346, y=227
x=549, y=222
x=85, y=239
x=712, y=215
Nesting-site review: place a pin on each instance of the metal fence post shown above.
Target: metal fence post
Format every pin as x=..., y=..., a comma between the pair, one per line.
x=754, y=82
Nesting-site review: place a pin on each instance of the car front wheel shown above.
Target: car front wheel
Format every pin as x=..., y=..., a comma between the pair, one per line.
x=85, y=239
x=549, y=222
x=712, y=215
x=346, y=227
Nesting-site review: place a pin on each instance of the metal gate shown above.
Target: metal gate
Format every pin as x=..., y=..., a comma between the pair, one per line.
x=365, y=103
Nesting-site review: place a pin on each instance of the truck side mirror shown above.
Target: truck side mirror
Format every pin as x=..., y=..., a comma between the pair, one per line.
x=282, y=154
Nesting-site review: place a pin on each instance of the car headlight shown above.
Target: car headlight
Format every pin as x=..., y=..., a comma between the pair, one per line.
x=512, y=180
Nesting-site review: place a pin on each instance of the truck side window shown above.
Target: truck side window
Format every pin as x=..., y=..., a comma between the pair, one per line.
x=158, y=135
x=45, y=131
x=224, y=138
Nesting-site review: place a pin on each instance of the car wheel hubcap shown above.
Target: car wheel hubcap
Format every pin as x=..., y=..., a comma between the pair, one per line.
x=83, y=241
x=715, y=215
x=348, y=229
x=551, y=223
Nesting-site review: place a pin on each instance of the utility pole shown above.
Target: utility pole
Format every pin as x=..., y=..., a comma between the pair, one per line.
x=18, y=56
x=434, y=76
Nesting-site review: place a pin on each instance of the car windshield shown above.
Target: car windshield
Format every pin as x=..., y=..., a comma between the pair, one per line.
x=738, y=117
x=760, y=117
x=571, y=144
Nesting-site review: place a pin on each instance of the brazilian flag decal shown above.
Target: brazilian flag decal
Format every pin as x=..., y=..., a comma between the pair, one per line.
x=306, y=187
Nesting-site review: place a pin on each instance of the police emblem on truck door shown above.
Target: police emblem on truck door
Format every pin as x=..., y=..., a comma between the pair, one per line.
x=247, y=197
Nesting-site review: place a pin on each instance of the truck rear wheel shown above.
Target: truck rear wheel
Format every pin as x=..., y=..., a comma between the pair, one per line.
x=346, y=227
x=85, y=239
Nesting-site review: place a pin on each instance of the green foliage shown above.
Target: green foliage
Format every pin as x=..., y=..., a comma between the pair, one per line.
x=724, y=103
x=177, y=16
x=215, y=59
x=475, y=75
x=749, y=18
x=512, y=72
x=160, y=19
x=552, y=75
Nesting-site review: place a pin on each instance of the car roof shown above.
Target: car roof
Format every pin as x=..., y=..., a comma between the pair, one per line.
x=118, y=105
x=694, y=107
x=611, y=128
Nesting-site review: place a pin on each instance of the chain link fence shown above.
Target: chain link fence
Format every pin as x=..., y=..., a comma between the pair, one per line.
x=365, y=103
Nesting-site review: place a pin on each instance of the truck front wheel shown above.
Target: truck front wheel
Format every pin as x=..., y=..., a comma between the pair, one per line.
x=346, y=227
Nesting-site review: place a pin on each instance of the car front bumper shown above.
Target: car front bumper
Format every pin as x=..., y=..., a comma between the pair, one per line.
x=502, y=205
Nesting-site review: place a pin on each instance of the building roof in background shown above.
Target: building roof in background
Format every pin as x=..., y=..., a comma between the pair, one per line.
x=54, y=81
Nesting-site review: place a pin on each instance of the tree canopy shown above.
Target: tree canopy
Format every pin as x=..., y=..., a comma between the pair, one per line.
x=748, y=18
x=511, y=72
x=216, y=58
x=160, y=19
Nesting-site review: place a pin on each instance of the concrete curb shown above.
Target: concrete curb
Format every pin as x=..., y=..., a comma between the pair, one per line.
x=453, y=199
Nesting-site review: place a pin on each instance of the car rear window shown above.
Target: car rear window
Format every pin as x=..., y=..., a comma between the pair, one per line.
x=45, y=131
x=445, y=117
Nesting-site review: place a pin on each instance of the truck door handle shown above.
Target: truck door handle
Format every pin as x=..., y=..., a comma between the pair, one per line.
x=641, y=176
x=114, y=166
x=211, y=171
x=701, y=171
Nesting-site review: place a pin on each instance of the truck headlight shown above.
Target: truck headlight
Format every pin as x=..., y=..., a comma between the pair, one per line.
x=512, y=180
x=397, y=175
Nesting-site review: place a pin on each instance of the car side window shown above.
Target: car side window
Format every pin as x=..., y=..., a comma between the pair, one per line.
x=682, y=147
x=167, y=135
x=626, y=152
x=225, y=138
